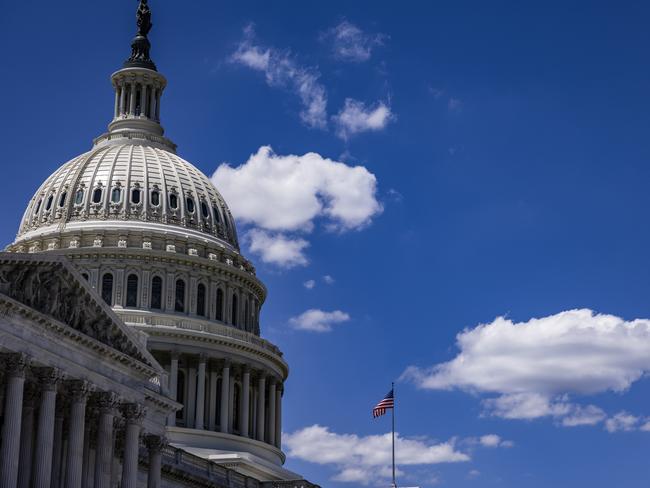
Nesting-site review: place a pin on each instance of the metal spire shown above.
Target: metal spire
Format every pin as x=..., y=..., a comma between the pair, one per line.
x=140, y=46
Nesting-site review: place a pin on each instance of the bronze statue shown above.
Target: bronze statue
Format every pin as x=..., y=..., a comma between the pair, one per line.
x=143, y=18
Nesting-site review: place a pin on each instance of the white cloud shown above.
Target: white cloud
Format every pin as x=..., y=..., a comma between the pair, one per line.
x=356, y=117
x=309, y=284
x=454, y=105
x=285, y=196
x=277, y=248
x=281, y=70
x=366, y=459
x=534, y=366
x=622, y=421
x=287, y=193
x=328, y=280
x=490, y=440
x=350, y=43
x=314, y=320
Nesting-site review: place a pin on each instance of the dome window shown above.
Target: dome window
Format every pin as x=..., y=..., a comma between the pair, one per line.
x=155, y=198
x=205, y=210
x=215, y=211
x=48, y=205
x=132, y=291
x=62, y=199
x=79, y=197
x=200, y=300
x=97, y=195
x=135, y=195
x=107, y=288
x=156, y=293
x=179, y=305
x=116, y=195
x=173, y=201
x=38, y=205
x=190, y=204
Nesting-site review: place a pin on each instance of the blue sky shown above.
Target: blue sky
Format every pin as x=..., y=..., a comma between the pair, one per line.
x=501, y=153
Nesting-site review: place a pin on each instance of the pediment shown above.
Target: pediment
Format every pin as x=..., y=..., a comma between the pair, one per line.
x=50, y=285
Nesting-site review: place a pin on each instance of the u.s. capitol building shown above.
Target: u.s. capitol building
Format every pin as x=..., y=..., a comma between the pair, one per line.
x=129, y=321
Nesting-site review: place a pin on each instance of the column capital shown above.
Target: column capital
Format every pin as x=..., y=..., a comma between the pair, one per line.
x=175, y=355
x=105, y=401
x=48, y=378
x=203, y=357
x=245, y=368
x=15, y=364
x=78, y=390
x=155, y=443
x=133, y=413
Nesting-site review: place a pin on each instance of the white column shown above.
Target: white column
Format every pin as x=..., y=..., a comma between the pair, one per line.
x=173, y=386
x=106, y=403
x=245, y=402
x=15, y=365
x=57, y=446
x=155, y=444
x=132, y=101
x=152, y=104
x=278, y=417
x=190, y=403
x=212, y=404
x=143, y=101
x=49, y=378
x=200, y=394
x=27, y=436
x=122, y=98
x=117, y=102
x=271, y=435
x=225, y=396
x=79, y=395
x=133, y=415
x=261, y=412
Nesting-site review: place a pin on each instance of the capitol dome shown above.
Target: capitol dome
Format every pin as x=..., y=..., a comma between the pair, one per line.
x=132, y=185
x=156, y=241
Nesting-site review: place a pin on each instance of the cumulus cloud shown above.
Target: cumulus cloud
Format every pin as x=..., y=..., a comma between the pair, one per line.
x=366, y=459
x=315, y=320
x=350, y=43
x=309, y=284
x=532, y=367
x=284, y=196
x=356, y=117
x=281, y=70
x=276, y=248
x=328, y=280
x=622, y=421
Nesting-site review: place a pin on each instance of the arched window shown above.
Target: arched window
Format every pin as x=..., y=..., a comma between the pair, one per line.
x=179, y=305
x=38, y=206
x=97, y=195
x=116, y=195
x=200, y=300
x=189, y=205
x=135, y=195
x=220, y=304
x=79, y=197
x=205, y=210
x=234, y=310
x=180, y=393
x=49, y=202
x=62, y=199
x=155, y=198
x=173, y=201
x=132, y=291
x=107, y=288
x=156, y=293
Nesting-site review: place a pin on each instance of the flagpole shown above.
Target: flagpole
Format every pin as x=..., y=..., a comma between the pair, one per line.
x=393, y=411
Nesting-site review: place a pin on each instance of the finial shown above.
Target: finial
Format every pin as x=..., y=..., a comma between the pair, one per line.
x=141, y=45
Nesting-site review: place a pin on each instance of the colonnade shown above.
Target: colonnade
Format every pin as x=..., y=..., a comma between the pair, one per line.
x=128, y=93
x=223, y=396
x=61, y=432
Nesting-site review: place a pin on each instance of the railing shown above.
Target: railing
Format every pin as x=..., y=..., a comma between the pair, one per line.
x=175, y=460
x=200, y=326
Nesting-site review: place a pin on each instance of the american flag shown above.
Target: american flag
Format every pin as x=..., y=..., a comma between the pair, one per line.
x=385, y=404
